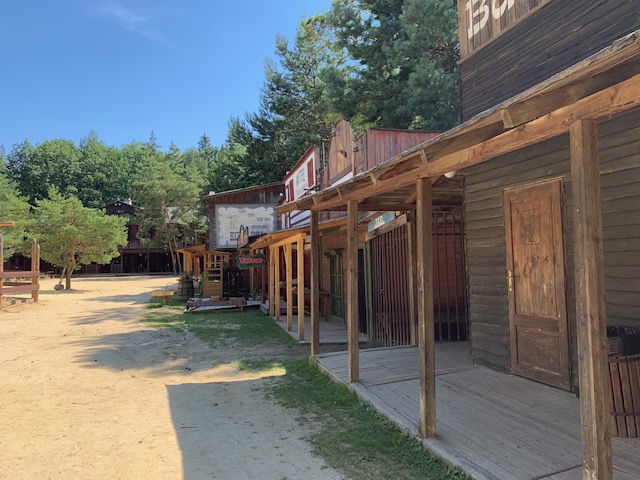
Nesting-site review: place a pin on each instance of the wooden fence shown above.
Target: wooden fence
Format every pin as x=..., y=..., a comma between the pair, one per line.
x=13, y=281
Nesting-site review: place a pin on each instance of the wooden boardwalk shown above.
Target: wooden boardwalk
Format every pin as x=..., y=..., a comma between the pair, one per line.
x=494, y=425
x=330, y=332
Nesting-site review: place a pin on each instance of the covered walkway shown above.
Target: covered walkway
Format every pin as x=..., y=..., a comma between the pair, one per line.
x=493, y=425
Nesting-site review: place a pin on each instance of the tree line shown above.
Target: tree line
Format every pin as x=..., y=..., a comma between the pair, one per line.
x=377, y=63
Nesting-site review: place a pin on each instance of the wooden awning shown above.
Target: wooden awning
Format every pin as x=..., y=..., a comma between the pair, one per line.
x=604, y=84
x=192, y=249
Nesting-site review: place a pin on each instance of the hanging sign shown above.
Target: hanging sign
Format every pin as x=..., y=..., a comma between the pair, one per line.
x=250, y=261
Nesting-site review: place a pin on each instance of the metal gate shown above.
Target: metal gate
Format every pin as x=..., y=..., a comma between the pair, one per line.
x=390, y=317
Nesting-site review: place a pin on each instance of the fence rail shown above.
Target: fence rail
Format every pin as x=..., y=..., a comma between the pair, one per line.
x=12, y=286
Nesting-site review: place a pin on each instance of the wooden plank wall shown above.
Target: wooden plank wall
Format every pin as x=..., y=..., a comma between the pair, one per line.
x=557, y=36
x=376, y=146
x=485, y=233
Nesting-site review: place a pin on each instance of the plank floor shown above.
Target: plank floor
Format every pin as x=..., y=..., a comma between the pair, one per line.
x=493, y=425
x=330, y=332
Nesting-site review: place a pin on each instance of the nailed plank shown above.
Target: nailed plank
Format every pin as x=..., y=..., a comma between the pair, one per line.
x=590, y=302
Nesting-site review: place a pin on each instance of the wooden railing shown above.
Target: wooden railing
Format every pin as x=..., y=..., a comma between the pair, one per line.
x=16, y=284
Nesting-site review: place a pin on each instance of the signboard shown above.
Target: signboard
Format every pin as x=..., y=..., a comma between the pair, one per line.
x=244, y=262
x=377, y=222
x=480, y=21
x=229, y=218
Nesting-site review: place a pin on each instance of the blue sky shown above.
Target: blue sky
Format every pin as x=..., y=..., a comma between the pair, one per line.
x=126, y=67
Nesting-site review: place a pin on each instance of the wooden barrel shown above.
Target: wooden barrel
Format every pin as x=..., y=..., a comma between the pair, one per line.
x=624, y=372
x=185, y=289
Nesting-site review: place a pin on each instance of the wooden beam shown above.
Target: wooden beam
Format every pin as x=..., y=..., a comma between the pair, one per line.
x=300, y=252
x=1, y=267
x=314, y=285
x=288, y=262
x=35, y=266
x=272, y=276
x=615, y=99
x=538, y=105
x=426, y=337
x=351, y=297
x=593, y=373
x=6, y=224
x=276, y=279
x=412, y=249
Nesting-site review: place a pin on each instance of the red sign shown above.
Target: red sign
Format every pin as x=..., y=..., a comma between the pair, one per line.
x=250, y=261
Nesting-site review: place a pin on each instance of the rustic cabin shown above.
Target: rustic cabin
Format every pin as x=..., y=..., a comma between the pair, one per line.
x=550, y=158
x=251, y=210
x=134, y=256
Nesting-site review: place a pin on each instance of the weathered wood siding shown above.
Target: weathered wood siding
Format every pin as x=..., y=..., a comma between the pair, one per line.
x=485, y=232
x=558, y=35
x=376, y=146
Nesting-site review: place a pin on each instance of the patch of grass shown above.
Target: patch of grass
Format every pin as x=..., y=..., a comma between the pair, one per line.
x=351, y=435
x=227, y=329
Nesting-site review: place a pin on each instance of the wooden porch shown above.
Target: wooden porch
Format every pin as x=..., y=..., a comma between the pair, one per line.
x=330, y=332
x=491, y=424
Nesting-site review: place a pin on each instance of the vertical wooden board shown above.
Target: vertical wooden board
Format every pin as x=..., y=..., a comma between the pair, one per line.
x=352, y=291
x=426, y=338
x=300, y=253
x=288, y=261
x=590, y=302
x=1, y=267
x=634, y=373
x=627, y=400
x=35, y=266
x=314, y=286
x=276, y=282
x=411, y=270
x=616, y=399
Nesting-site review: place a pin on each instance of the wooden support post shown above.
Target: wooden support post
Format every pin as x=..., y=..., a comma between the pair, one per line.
x=411, y=270
x=35, y=267
x=276, y=253
x=272, y=280
x=288, y=262
x=1, y=267
x=426, y=337
x=314, y=285
x=264, y=280
x=593, y=373
x=351, y=297
x=300, y=252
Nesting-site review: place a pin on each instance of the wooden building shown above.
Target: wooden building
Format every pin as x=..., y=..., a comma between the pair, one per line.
x=550, y=156
x=134, y=256
x=383, y=242
x=251, y=210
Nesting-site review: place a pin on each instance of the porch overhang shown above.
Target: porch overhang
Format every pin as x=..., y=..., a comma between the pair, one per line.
x=604, y=84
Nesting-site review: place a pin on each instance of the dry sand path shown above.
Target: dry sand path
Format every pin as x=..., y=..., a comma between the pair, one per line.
x=88, y=391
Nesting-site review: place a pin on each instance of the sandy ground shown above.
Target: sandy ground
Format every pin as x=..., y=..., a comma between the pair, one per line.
x=88, y=391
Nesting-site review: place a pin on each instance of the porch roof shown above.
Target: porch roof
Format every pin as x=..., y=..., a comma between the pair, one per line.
x=604, y=84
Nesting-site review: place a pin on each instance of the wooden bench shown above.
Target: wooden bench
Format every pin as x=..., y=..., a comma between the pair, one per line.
x=161, y=294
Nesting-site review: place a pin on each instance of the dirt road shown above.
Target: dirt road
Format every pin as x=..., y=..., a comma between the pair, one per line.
x=88, y=391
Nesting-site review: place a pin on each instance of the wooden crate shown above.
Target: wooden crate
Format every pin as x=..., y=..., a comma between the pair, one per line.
x=625, y=400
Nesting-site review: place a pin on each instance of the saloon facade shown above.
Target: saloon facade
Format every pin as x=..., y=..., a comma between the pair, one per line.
x=550, y=158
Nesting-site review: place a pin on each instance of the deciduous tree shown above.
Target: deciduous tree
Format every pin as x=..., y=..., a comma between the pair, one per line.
x=71, y=235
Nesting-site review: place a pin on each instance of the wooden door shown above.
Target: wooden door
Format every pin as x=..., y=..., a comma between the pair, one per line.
x=536, y=283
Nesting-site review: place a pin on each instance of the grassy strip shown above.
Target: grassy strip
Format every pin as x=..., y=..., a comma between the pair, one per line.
x=351, y=435
x=223, y=329
x=346, y=432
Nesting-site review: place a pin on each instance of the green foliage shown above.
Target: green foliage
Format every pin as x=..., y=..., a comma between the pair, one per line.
x=406, y=52
x=53, y=163
x=15, y=209
x=104, y=173
x=71, y=235
x=167, y=190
